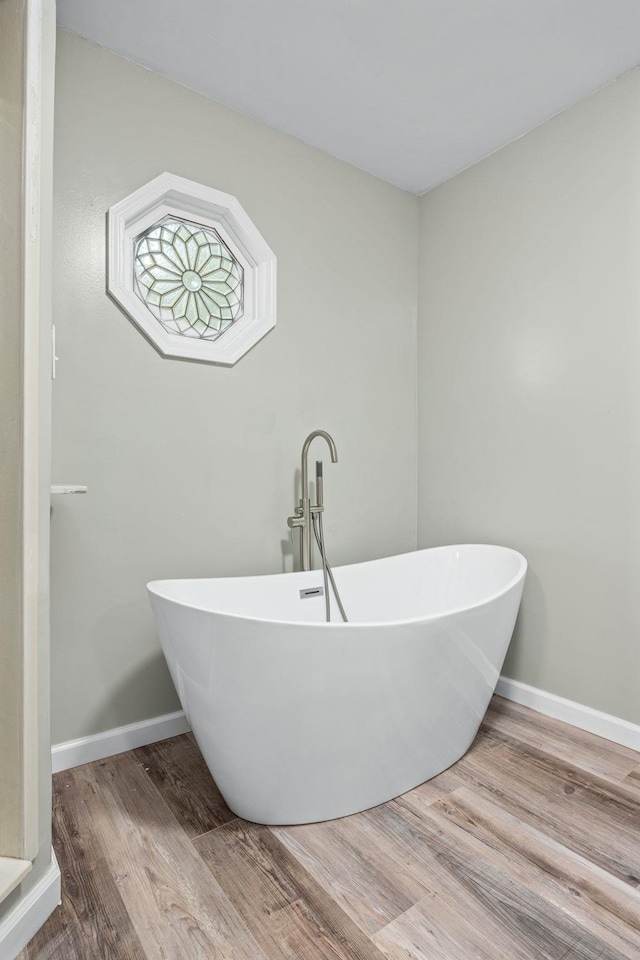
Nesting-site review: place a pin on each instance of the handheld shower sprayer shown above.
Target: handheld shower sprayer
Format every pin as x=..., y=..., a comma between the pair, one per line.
x=319, y=484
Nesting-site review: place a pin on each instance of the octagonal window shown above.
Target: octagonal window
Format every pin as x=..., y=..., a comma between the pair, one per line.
x=189, y=279
x=191, y=270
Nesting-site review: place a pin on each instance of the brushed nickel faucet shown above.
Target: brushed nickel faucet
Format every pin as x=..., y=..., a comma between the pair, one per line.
x=306, y=511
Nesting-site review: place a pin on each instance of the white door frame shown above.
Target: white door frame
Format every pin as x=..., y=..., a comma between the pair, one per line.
x=24, y=21
x=31, y=475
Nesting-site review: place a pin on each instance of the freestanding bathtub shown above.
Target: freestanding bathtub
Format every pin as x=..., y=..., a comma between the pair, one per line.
x=300, y=720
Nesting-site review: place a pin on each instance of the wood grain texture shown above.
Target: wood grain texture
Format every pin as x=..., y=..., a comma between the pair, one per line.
x=289, y=914
x=476, y=888
x=434, y=790
x=93, y=921
x=527, y=849
x=61, y=936
x=605, y=907
x=594, y=817
x=633, y=779
x=367, y=873
x=177, y=770
x=575, y=746
x=175, y=905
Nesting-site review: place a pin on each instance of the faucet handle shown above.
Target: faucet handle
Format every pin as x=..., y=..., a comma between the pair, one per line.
x=292, y=523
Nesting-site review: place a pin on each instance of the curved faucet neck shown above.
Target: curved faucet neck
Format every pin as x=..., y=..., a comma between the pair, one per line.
x=305, y=453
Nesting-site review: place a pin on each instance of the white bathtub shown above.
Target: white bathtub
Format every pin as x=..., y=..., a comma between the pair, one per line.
x=301, y=720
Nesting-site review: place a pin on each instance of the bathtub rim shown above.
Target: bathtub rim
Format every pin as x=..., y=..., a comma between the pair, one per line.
x=427, y=618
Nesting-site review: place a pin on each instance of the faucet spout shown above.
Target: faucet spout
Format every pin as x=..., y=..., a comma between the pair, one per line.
x=305, y=456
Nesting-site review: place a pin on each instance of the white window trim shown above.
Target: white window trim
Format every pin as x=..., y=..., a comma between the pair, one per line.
x=169, y=195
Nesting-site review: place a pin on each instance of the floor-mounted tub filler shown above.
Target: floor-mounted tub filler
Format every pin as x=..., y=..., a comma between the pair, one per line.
x=300, y=720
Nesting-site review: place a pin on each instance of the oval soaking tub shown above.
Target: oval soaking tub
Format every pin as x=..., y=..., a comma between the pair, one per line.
x=300, y=720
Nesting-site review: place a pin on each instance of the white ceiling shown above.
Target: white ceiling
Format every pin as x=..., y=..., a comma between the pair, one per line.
x=412, y=91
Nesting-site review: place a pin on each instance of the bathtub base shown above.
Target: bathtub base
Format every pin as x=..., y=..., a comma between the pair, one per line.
x=327, y=804
x=321, y=767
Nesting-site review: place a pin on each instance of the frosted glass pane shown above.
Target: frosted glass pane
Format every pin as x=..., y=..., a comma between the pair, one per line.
x=192, y=252
x=211, y=266
x=210, y=303
x=180, y=248
x=202, y=258
x=170, y=299
x=191, y=309
x=180, y=306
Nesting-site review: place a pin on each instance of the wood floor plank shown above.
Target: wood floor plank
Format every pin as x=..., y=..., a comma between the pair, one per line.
x=594, y=817
x=93, y=921
x=574, y=746
x=178, y=910
x=633, y=779
x=288, y=913
x=467, y=898
x=436, y=788
x=487, y=892
x=177, y=769
x=60, y=937
x=600, y=903
x=434, y=930
x=363, y=870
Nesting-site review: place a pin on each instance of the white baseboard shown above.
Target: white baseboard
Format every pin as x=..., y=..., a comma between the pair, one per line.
x=29, y=914
x=75, y=752
x=586, y=718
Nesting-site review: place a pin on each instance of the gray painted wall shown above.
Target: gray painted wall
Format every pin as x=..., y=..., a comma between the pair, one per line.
x=529, y=387
x=191, y=467
x=528, y=375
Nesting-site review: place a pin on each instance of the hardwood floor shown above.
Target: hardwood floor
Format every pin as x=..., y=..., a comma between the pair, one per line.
x=527, y=849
